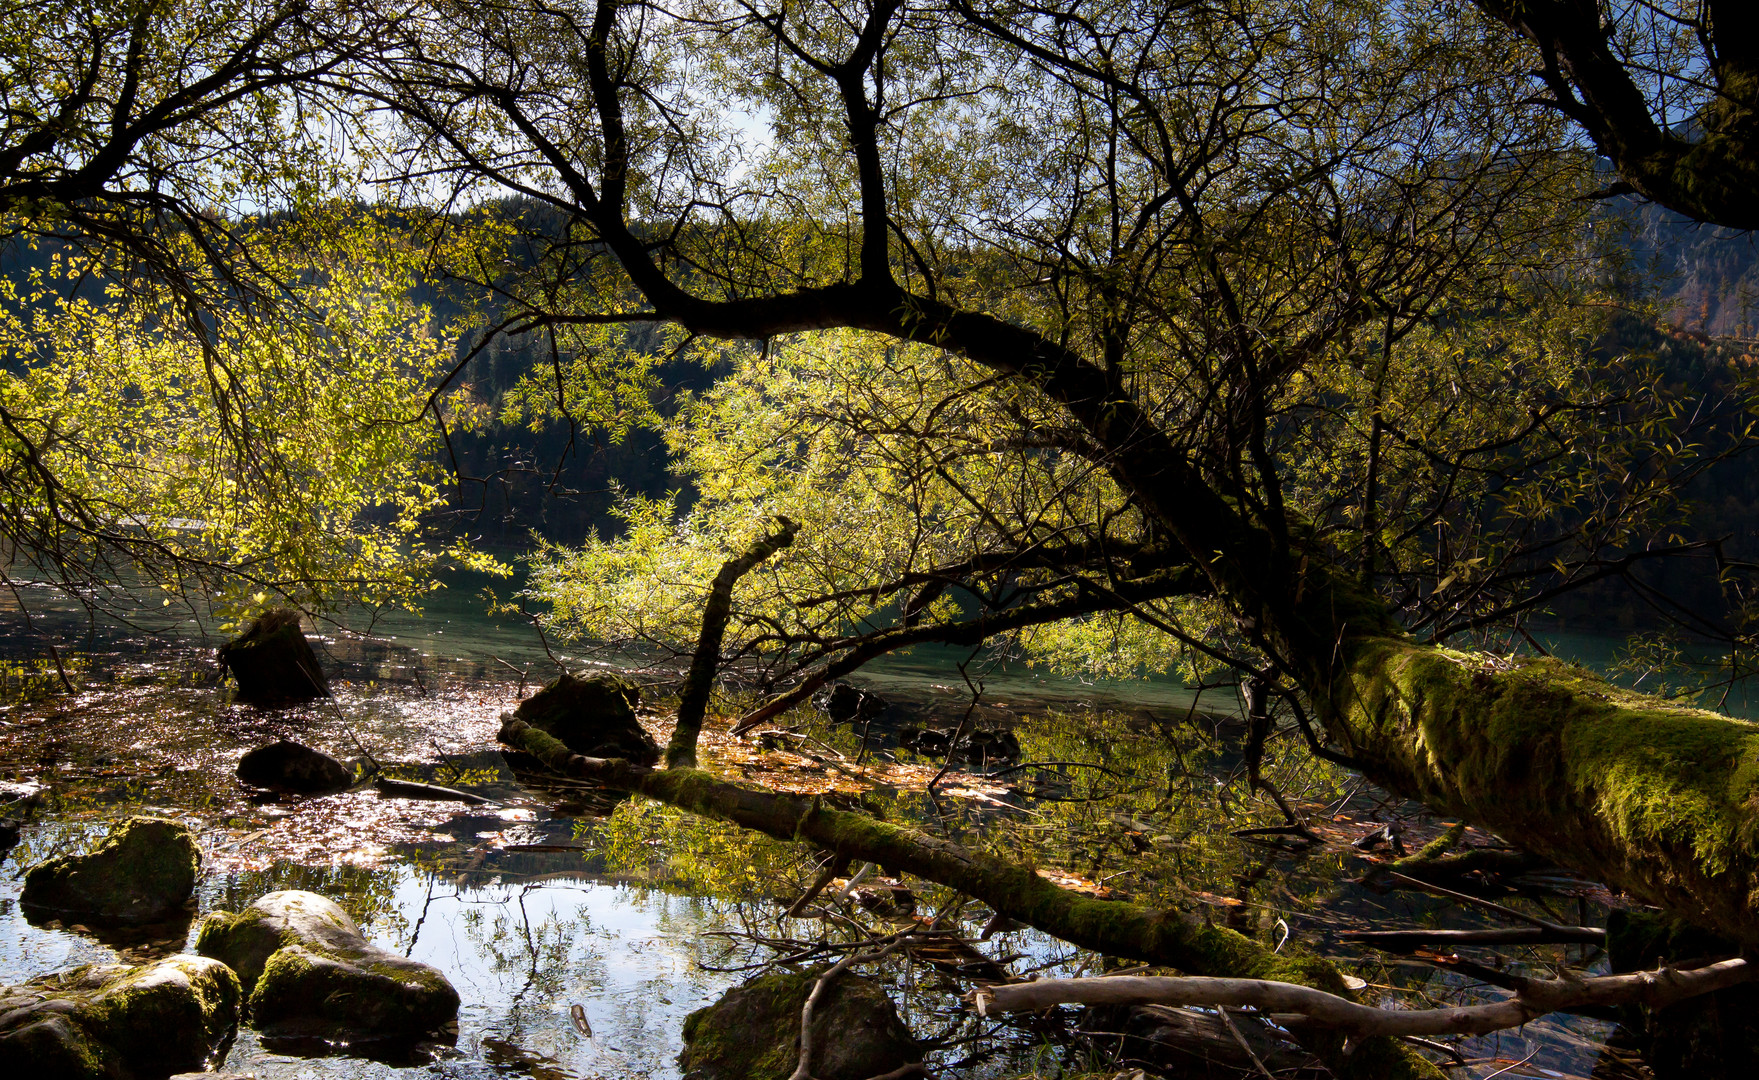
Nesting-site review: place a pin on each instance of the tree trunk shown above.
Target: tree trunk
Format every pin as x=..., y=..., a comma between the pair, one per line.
x=1656, y=799
x=693, y=702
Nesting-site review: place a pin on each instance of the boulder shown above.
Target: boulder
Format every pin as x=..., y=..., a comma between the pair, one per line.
x=309, y=972
x=272, y=662
x=846, y=704
x=753, y=1031
x=104, y=1021
x=288, y=766
x=17, y=799
x=595, y=717
x=143, y=872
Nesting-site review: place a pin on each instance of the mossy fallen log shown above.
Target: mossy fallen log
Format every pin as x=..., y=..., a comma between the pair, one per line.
x=1656, y=799
x=1014, y=890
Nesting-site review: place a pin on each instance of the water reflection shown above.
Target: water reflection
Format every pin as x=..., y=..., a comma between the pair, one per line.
x=531, y=908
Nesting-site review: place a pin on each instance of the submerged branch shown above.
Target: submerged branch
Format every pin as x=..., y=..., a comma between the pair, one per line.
x=1520, y=935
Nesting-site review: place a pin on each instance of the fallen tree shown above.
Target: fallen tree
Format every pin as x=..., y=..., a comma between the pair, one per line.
x=1013, y=890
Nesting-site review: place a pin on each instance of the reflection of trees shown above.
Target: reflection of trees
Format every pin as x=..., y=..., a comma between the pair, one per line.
x=668, y=848
x=368, y=894
x=539, y=953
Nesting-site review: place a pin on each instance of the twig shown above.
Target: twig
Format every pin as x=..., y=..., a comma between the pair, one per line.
x=519, y=693
x=411, y=789
x=834, y=868
x=1234, y=1030
x=1489, y=905
x=803, y=1070
x=1536, y=935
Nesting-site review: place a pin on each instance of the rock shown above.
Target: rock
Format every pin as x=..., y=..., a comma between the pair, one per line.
x=272, y=662
x=143, y=872
x=17, y=799
x=844, y=703
x=595, y=717
x=104, y=1021
x=288, y=766
x=753, y=1031
x=981, y=747
x=18, y=796
x=310, y=972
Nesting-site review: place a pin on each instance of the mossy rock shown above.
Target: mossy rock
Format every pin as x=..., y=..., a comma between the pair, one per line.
x=272, y=661
x=143, y=872
x=309, y=971
x=753, y=1031
x=594, y=717
x=114, y=1020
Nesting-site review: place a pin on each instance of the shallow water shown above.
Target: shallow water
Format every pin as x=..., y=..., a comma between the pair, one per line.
x=633, y=923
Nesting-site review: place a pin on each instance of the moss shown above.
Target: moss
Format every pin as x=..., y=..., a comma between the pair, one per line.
x=144, y=870
x=244, y=941
x=103, y=1020
x=306, y=965
x=172, y=1012
x=1659, y=799
x=753, y=1031
x=55, y=1046
x=1433, y=850
x=305, y=990
x=1109, y=926
x=594, y=717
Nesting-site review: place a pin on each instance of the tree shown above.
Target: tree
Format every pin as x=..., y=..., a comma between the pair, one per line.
x=1253, y=335
x=1668, y=91
x=198, y=395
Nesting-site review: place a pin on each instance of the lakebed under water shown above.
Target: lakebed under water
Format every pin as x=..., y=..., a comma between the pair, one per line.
x=539, y=903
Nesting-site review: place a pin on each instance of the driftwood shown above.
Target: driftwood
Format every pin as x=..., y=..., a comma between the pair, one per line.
x=1532, y=998
x=803, y=1068
x=1524, y=935
x=1012, y=890
x=411, y=789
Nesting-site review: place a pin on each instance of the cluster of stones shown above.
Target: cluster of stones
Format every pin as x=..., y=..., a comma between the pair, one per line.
x=294, y=966
x=291, y=964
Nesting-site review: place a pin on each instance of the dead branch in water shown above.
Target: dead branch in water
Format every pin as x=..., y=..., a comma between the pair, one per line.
x=1532, y=998
x=1522, y=935
x=1010, y=888
x=887, y=946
